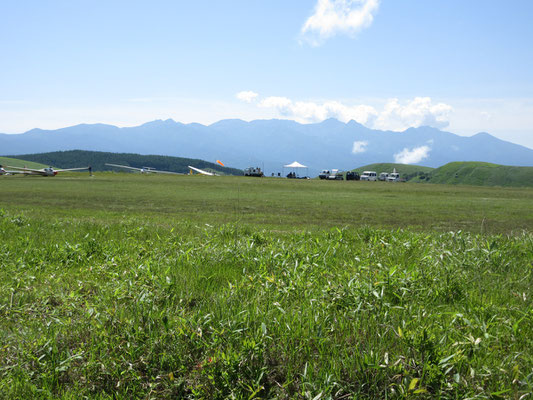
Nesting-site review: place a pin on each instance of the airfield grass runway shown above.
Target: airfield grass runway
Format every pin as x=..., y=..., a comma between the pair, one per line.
x=124, y=286
x=272, y=203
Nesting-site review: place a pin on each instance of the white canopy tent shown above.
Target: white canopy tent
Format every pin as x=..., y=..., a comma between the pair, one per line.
x=294, y=165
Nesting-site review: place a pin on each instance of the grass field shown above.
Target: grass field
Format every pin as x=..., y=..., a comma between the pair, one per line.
x=480, y=173
x=271, y=203
x=132, y=287
x=14, y=162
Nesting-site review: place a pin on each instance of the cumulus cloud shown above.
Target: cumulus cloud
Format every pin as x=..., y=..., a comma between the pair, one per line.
x=331, y=17
x=247, y=96
x=307, y=111
x=395, y=115
x=283, y=104
x=359, y=147
x=412, y=156
x=418, y=112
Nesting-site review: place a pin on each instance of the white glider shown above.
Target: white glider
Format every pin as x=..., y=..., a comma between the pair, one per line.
x=201, y=171
x=144, y=170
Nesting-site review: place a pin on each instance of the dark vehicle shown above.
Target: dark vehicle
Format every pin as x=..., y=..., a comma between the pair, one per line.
x=352, y=176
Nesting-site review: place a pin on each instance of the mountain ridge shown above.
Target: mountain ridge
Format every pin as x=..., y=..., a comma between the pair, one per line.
x=273, y=143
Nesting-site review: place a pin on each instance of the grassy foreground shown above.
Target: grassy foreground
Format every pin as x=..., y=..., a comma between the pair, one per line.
x=126, y=301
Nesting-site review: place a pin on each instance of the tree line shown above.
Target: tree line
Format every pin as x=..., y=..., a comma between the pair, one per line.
x=98, y=159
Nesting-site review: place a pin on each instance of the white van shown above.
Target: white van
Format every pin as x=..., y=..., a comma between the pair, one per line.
x=369, y=176
x=393, y=177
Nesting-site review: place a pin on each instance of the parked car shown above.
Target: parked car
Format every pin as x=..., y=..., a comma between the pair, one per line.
x=369, y=176
x=383, y=176
x=393, y=177
x=352, y=176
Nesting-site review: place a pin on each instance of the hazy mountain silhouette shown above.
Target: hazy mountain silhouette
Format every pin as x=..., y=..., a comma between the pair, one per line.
x=271, y=143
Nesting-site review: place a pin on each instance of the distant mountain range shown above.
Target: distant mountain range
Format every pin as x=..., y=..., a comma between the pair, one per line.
x=273, y=143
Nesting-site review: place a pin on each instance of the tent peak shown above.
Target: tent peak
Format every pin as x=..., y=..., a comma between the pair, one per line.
x=295, y=164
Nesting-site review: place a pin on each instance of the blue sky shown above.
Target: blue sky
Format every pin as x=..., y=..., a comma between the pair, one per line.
x=464, y=66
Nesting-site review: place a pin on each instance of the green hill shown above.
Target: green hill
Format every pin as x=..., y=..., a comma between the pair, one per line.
x=480, y=174
x=406, y=171
x=97, y=159
x=17, y=162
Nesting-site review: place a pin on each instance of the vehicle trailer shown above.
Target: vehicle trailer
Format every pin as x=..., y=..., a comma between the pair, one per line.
x=324, y=174
x=336, y=175
x=253, y=171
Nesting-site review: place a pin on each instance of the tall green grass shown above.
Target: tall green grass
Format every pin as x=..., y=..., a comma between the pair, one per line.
x=131, y=308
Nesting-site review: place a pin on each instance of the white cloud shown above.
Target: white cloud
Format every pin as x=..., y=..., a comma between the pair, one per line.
x=247, y=96
x=417, y=112
x=283, y=104
x=396, y=116
x=338, y=16
x=307, y=111
x=412, y=156
x=359, y=147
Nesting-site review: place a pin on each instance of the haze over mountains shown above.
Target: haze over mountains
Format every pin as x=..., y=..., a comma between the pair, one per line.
x=272, y=143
